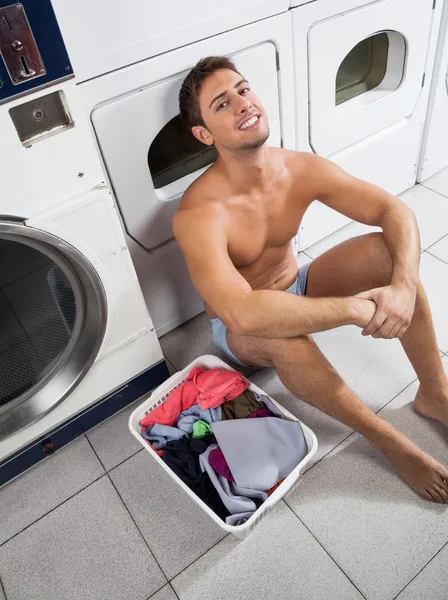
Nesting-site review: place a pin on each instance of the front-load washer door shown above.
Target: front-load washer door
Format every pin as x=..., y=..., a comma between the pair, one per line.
x=53, y=315
x=365, y=70
x=151, y=158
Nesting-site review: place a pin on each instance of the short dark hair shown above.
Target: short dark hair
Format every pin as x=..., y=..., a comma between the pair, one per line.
x=191, y=86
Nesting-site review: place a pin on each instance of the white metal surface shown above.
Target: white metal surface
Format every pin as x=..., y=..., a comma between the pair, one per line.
x=128, y=108
x=52, y=171
x=375, y=136
x=42, y=184
x=434, y=151
x=212, y=362
x=103, y=36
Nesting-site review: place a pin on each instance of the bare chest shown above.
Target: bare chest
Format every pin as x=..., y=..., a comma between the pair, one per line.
x=260, y=227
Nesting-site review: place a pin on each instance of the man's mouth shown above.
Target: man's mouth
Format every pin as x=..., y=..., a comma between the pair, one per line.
x=250, y=122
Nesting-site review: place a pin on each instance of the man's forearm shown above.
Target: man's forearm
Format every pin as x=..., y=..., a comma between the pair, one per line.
x=274, y=314
x=403, y=240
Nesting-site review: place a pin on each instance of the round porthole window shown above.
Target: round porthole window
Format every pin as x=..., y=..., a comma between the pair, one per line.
x=52, y=315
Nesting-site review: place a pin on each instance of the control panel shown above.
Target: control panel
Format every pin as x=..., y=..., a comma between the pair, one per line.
x=33, y=53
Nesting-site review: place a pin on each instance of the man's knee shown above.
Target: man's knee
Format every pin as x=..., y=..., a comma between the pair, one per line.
x=290, y=350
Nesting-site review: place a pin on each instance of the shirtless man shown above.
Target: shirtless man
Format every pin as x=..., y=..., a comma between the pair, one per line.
x=235, y=224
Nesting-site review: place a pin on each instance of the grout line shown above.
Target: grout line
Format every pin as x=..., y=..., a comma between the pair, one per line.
x=119, y=464
x=147, y=544
x=53, y=509
x=431, y=190
x=138, y=529
x=125, y=460
x=167, y=585
x=2, y=587
x=199, y=557
x=354, y=430
x=439, y=240
x=418, y=573
x=129, y=512
x=436, y=257
x=174, y=591
x=324, y=549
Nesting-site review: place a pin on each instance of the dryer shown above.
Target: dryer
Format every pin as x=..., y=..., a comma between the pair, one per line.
x=362, y=76
x=103, y=36
x=434, y=152
x=76, y=340
x=150, y=158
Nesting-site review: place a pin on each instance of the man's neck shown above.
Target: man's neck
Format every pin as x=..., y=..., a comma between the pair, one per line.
x=247, y=170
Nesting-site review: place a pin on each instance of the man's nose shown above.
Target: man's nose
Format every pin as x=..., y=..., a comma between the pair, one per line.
x=243, y=105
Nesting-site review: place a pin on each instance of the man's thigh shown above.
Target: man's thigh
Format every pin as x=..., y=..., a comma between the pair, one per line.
x=356, y=265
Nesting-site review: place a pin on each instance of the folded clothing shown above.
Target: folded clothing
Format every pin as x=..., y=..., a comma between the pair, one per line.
x=182, y=456
x=260, y=452
x=207, y=388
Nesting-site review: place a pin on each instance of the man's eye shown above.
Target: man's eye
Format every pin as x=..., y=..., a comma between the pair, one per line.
x=245, y=90
x=222, y=105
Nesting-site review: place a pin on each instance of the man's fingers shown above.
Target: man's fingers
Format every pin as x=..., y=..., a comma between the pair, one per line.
x=394, y=331
x=375, y=323
x=384, y=330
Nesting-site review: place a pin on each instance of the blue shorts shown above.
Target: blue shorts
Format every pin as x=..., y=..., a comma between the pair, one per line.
x=298, y=287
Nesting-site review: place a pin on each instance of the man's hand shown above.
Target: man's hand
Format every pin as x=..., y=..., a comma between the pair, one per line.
x=395, y=307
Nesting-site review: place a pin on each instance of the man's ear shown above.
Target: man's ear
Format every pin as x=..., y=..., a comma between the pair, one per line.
x=203, y=135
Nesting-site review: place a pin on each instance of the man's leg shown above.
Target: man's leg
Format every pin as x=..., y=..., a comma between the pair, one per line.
x=364, y=263
x=352, y=267
x=306, y=373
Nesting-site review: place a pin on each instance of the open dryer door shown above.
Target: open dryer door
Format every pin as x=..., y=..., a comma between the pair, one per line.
x=151, y=158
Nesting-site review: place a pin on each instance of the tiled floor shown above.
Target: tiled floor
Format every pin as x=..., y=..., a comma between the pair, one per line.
x=100, y=520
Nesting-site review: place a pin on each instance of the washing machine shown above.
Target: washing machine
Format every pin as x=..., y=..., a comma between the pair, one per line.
x=151, y=158
x=434, y=152
x=76, y=340
x=362, y=77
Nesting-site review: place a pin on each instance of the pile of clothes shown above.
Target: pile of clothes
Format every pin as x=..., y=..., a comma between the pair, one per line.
x=231, y=446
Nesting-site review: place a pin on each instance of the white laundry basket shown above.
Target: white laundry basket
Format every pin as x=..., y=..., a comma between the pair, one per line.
x=161, y=394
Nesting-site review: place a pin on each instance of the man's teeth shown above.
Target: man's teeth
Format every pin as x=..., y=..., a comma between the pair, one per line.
x=250, y=122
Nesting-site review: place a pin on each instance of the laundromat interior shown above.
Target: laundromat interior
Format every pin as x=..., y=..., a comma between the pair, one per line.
x=130, y=466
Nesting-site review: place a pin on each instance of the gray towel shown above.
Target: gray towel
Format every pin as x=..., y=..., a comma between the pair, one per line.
x=260, y=452
x=235, y=499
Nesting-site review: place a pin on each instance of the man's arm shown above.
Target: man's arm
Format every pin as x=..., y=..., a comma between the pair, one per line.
x=201, y=234
x=369, y=204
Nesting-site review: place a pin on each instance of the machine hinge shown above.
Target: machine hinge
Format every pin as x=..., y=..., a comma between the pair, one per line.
x=423, y=79
x=277, y=60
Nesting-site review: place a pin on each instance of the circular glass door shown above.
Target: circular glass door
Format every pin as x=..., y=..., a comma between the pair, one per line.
x=52, y=316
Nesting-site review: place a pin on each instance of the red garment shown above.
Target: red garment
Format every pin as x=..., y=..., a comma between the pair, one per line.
x=207, y=388
x=274, y=487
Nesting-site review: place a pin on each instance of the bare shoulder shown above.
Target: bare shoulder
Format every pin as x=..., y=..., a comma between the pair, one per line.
x=302, y=162
x=199, y=214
